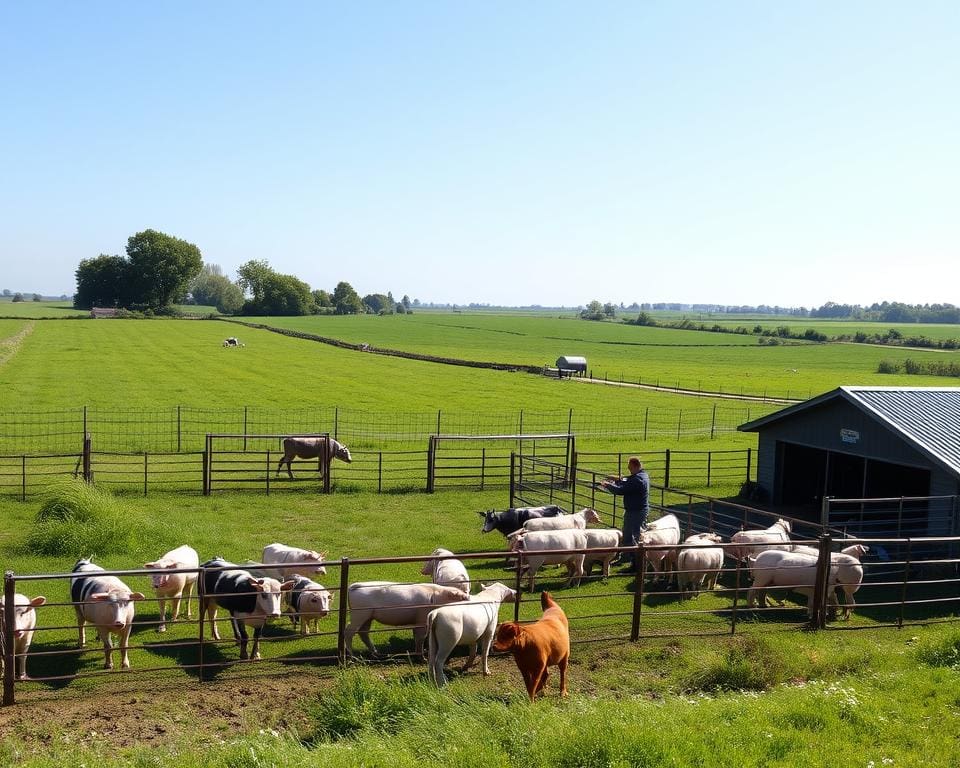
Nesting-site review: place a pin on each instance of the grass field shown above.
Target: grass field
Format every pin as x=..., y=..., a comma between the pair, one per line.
x=768, y=695
x=36, y=309
x=694, y=360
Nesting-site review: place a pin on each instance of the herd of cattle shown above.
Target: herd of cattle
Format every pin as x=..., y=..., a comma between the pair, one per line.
x=444, y=613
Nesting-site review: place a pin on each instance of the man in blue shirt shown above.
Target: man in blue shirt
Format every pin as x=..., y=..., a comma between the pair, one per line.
x=635, y=489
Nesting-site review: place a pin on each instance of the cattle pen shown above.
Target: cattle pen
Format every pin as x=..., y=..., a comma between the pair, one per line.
x=618, y=609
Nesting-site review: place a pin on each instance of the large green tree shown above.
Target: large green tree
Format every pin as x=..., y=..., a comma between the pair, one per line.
x=272, y=293
x=102, y=282
x=161, y=267
x=346, y=300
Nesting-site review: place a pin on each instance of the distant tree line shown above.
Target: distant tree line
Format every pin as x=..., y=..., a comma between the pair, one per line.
x=920, y=367
x=160, y=270
x=891, y=312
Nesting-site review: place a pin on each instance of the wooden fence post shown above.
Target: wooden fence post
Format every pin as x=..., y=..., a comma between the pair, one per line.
x=666, y=469
x=713, y=421
x=23, y=477
x=267, y=475
x=640, y=561
x=200, y=593
x=380, y=472
x=144, y=473
x=513, y=477
x=822, y=587
x=87, y=456
x=431, y=460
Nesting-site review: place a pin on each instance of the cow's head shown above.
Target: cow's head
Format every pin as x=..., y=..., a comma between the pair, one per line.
x=269, y=592
x=118, y=605
x=785, y=524
x=591, y=515
x=24, y=617
x=340, y=451
x=499, y=591
x=490, y=519
x=160, y=579
x=315, y=601
x=507, y=635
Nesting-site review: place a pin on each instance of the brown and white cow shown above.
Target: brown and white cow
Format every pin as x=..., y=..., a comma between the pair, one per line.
x=312, y=448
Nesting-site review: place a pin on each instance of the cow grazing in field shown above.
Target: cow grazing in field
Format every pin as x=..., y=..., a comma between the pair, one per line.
x=312, y=448
x=232, y=341
x=173, y=586
x=511, y=520
x=699, y=562
x=304, y=561
x=752, y=542
x=537, y=646
x=471, y=623
x=250, y=601
x=396, y=605
x=443, y=568
x=308, y=602
x=107, y=603
x=24, y=624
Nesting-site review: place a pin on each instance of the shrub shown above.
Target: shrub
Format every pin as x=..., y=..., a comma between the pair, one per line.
x=941, y=651
x=749, y=664
x=77, y=519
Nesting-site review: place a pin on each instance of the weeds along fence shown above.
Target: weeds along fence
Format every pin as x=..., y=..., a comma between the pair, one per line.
x=476, y=462
x=620, y=608
x=182, y=428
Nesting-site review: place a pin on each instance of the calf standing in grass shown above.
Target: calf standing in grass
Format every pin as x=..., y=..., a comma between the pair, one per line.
x=443, y=568
x=24, y=623
x=107, y=603
x=308, y=601
x=537, y=646
x=174, y=585
x=471, y=623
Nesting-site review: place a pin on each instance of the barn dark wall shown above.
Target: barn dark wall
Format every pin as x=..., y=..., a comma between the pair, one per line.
x=791, y=464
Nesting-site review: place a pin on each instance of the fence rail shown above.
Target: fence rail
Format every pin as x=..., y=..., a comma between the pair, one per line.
x=626, y=608
x=466, y=465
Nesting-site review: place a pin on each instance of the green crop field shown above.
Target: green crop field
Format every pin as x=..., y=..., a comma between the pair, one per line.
x=38, y=309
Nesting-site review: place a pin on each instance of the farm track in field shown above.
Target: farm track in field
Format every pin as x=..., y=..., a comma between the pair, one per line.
x=11, y=345
x=535, y=369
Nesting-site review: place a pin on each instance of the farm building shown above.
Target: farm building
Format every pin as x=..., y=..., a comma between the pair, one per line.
x=864, y=443
x=572, y=364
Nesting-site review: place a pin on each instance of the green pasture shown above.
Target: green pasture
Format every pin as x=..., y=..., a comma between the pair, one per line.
x=37, y=309
x=121, y=366
x=691, y=360
x=834, y=328
x=688, y=693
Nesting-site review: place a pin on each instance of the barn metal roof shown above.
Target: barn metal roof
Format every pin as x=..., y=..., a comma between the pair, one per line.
x=927, y=417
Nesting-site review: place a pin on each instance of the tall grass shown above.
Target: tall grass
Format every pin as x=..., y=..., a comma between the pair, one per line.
x=78, y=519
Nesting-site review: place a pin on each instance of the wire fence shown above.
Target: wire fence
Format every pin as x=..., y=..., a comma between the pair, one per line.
x=184, y=428
x=455, y=463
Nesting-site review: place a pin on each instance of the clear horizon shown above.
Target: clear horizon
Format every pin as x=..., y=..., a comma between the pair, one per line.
x=550, y=154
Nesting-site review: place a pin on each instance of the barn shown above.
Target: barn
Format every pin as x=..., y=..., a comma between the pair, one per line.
x=863, y=443
x=572, y=364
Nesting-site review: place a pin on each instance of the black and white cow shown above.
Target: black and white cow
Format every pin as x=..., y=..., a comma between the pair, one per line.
x=511, y=520
x=312, y=448
x=249, y=600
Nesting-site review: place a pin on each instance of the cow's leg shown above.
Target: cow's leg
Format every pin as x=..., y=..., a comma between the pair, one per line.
x=107, y=647
x=21, y=664
x=211, y=609
x=472, y=658
x=175, y=606
x=162, y=603
x=124, y=644
x=257, y=631
x=282, y=459
x=563, y=675
x=81, y=631
x=188, y=596
x=485, y=643
x=240, y=635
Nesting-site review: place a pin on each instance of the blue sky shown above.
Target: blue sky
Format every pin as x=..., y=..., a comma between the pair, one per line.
x=497, y=152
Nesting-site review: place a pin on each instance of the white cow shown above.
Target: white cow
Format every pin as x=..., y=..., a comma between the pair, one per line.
x=601, y=538
x=751, y=543
x=304, y=561
x=24, y=624
x=471, y=623
x=308, y=602
x=396, y=605
x=443, y=568
x=560, y=522
x=107, y=603
x=174, y=585
x=699, y=562
x=661, y=532
x=536, y=546
x=798, y=571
